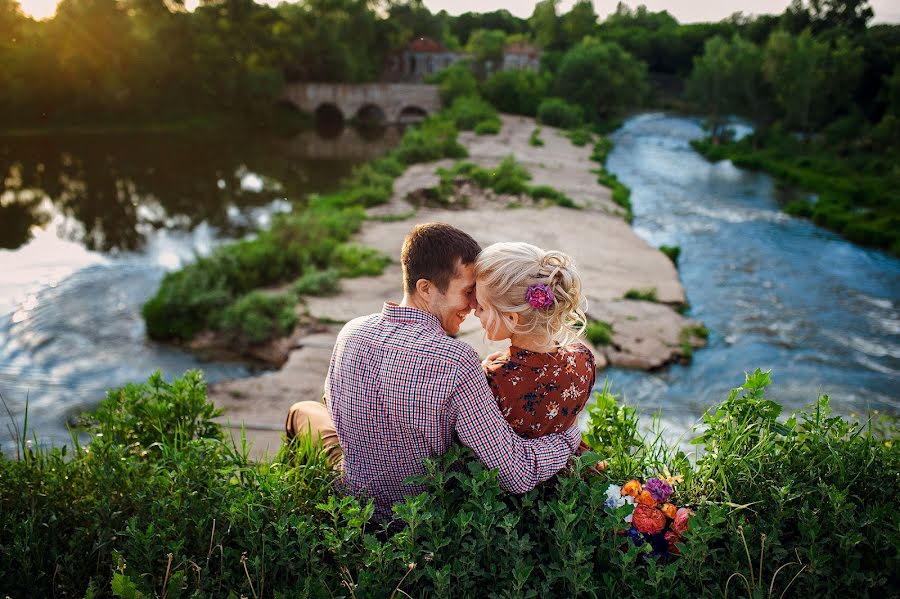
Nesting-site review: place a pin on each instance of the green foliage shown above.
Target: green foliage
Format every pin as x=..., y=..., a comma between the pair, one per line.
x=318, y=282
x=647, y=295
x=856, y=194
x=159, y=504
x=556, y=112
x=602, y=79
x=488, y=127
x=456, y=81
x=686, y=337
x=516, y=91
x=469, y=111
x=354, y=260
x=672, y=252
x=581, y=136
x=259, y=316
x=599, y=333
x=509, y=177
x=621, y=195
x=535, y=138
x=433, y=139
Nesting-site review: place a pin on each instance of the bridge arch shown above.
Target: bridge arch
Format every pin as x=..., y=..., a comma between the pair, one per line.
x=371, y=114
x=394, y=100
x=411, y=114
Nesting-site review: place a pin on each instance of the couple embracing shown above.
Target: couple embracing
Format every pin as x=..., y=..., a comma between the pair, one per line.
x=401, y=388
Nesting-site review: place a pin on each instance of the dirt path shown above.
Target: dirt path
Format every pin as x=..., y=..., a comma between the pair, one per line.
x=612, y=259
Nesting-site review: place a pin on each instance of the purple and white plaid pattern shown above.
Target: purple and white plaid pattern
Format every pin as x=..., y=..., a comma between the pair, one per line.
x=398, y=387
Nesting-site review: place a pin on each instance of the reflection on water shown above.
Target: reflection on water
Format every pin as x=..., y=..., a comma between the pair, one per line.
x=89, y=224
x=776, y=292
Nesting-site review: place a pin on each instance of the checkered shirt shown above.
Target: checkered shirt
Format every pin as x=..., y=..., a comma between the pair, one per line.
x=398, y=388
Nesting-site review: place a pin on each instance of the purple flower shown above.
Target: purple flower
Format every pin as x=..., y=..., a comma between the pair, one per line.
x=658, y=489
x=540, y=296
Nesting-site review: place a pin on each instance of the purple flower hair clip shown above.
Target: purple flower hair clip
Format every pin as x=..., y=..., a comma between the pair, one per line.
x=540, y=296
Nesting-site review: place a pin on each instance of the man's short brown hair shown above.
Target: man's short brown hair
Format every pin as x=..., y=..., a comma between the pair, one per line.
x=432, y=250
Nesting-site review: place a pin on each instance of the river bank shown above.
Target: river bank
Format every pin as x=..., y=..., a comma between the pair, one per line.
x=612, y=259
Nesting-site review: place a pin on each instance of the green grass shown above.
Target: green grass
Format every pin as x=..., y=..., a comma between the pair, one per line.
x=535, y=138
x=647, y=295
x=621, y=194
x=509, y=177
x=672, y=252
x=599, y=333
x=318, y=282
x=159, y=501
x=580, y=136
x=687, y=335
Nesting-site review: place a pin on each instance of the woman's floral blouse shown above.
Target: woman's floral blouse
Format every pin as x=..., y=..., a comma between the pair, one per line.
x=542, y=393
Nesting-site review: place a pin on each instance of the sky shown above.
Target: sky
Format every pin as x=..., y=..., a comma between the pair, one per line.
x=686, y=11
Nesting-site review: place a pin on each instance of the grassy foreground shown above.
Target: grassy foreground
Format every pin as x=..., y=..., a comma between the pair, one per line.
x=157, y=504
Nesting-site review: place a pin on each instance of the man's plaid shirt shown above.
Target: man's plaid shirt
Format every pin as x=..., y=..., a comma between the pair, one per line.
x=398, y=387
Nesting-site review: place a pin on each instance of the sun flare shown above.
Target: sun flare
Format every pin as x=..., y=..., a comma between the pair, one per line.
x=39, y=9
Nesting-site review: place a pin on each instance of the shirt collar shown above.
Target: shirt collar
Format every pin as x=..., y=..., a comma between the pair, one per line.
x=392, y=311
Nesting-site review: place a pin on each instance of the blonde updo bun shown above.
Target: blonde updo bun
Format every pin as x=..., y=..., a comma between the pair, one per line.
x=506, y=270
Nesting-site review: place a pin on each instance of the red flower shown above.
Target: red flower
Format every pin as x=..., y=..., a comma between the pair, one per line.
x=647, y=519
x=681, y=520
x=673, y=537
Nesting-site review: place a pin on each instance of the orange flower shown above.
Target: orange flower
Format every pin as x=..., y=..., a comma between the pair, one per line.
x=669, y=510
x=646, y=498
x=632, y=488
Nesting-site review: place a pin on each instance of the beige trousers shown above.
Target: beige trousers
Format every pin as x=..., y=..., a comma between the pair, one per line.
x=313, y=416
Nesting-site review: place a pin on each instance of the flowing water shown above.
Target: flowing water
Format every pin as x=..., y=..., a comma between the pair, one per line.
x=89, y=224
x=776, y=292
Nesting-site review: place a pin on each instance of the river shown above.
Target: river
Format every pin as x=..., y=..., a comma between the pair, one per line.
x=89, y=225
x=776, y=292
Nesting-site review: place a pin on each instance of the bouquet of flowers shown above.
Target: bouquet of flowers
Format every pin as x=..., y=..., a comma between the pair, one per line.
x=654, y=520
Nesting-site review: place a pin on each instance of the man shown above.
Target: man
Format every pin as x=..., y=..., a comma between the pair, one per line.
x=399, y=385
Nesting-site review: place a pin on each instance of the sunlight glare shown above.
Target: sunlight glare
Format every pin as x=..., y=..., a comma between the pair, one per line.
x=39, y=9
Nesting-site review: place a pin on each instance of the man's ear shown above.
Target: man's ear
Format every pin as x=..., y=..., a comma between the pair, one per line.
x=424, y=288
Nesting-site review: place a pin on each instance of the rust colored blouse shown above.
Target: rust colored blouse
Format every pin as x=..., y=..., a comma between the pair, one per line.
x=542, y=393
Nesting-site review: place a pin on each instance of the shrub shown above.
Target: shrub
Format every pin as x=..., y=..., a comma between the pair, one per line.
x=469, y=111
x=545, y=192
x=599, y=333
x=456, y=81
x=556, y=112
x=318, y=282
x=259, y=316
x=433, y=139
x=157, y=503
x=488, y=127
x=354, y=260
x=516, y=92
x=535, y=138
x=580, y=136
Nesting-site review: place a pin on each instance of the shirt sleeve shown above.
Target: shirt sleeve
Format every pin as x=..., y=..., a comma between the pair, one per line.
x=521, y=463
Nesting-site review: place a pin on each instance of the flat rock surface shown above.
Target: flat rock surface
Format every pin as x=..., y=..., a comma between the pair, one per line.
x=611, y=258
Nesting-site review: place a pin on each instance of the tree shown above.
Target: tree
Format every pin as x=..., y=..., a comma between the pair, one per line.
x=794, y=67
x=579, y=22
x=821, y=15
x=602, y=78
x=708, y=83
x=545, y=24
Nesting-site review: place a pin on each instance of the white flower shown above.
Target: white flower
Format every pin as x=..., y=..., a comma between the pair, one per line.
x=614, y=497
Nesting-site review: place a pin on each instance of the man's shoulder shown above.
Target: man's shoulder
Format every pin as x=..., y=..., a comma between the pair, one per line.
x=414, y=337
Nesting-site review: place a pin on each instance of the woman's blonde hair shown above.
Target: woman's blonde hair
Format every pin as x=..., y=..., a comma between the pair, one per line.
x=506, y=270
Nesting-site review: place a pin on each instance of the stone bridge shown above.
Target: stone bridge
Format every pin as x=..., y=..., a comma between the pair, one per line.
x=386, y=102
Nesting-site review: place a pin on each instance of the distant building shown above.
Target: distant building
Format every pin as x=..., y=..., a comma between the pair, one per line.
x=421, y=57
x=521, y=55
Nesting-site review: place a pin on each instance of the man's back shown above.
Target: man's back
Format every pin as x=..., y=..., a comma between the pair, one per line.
x=398, y=388
x=389, y=382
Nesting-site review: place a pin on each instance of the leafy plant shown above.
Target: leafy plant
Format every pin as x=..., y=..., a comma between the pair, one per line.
x=647, y=295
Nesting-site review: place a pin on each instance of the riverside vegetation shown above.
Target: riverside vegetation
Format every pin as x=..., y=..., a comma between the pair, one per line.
x=158, y=504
